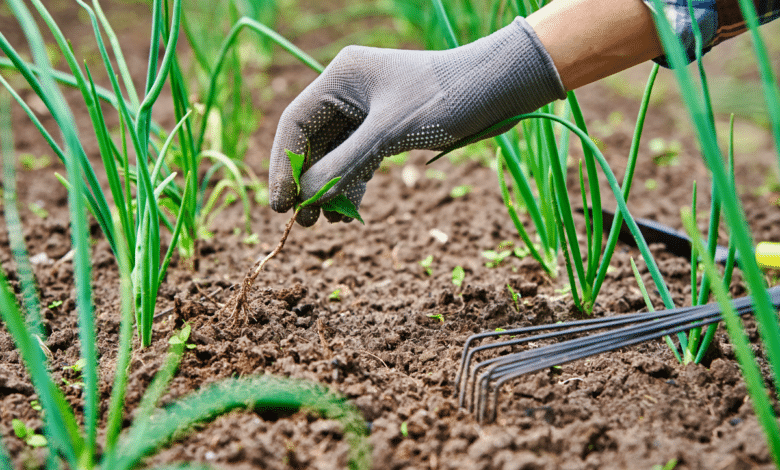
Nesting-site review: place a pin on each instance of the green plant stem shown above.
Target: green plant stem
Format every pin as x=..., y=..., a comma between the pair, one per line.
x=594, y=241
x=124, y=71
x=122, y=369
x=617, y=222
x=237, y=305
x=765, y=313
x=14, y=222
x=256, y=393
x=730, y=258
x=79, y=452
x=222, y=54
x=515, y=219
x=768, y=78
x=742, y=349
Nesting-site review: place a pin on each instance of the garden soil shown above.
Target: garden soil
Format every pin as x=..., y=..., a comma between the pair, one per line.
x=391, y=339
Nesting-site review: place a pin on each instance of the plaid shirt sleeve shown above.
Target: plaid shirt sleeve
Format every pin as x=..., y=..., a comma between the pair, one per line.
x=718, y=20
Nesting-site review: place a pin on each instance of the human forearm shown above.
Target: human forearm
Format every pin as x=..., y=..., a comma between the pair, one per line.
x=592, y=39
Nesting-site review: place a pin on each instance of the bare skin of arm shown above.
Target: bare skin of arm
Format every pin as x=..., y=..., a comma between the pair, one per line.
x=592, y=39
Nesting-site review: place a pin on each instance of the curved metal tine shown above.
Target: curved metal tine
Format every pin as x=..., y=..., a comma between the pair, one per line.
x=558, y=326
x=742, y=305
x=551, y=355
x=508, y=362
x=708, y=314
x=704, y=315
x=501, y=363
x=468, y=355
x=527, y=367
x=628, y=338
x=514, y=331
x=580, y=326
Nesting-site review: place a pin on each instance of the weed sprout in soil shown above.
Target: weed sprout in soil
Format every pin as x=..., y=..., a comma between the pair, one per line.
x=236, y=306
x=132, y=230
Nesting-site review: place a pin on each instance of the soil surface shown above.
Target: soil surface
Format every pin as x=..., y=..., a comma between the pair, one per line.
x=392, y=338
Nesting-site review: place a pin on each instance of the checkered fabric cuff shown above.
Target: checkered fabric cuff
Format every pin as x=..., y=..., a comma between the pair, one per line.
x=679, y=17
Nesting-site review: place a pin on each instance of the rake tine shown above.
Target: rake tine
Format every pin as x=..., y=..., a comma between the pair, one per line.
x=574, y=327
x=605, y=340
x=526, y=366
x=650, y=325
x=549, y=349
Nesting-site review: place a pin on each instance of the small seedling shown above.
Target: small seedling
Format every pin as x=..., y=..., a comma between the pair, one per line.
x=38, y=210
x=563, y=290
x=252, y=239
x=340, y=204
x=182, y=336
x=405, y=429
x=500, y=330
x=495, y=258
x=55, y=304
x=665, y=153
x=437, y=316
x=77, y=366
x=426, y=265
x=31, y=162
x=76, y=384
x=335, y=296
x=433, y=174
x=515, y=296
x=28, y=435
x=36, y=405
x=670, y=465
x=460, y=191
x=521, y=251
x=458, y=276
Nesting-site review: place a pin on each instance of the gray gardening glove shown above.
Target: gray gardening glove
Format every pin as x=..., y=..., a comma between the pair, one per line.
x=372, y=103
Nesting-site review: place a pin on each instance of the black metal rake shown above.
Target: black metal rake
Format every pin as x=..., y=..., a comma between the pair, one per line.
x=622, y=331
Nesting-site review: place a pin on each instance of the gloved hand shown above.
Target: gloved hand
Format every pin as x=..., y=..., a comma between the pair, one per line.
x=371, y=103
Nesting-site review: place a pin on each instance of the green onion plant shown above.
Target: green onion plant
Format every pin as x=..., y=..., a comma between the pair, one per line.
x=139, y=216
x=76, y=444
x=697, y=103
x=537, y=158
x=143, y=186
x=222, y=125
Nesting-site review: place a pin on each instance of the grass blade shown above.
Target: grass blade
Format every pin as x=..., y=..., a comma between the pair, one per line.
x=124, y=71
x=119, y=389
x=768, y=79
x=14, y=222
x=513, y=215
x=628, y=177
x=263, y=30
x=256, y=393
x=742, y=349
x=765, y=314
x=79, y=230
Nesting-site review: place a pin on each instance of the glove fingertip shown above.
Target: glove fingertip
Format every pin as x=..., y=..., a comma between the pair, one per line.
x=282, y=198
x=308, y=216
x=333, y=217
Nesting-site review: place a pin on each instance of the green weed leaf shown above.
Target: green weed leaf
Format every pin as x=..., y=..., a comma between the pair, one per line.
x=20, y=429
x=426, y=265
x=319, y=193
x=458, y=275
x=343, y=206
x=296, y=162
x=36, y=440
